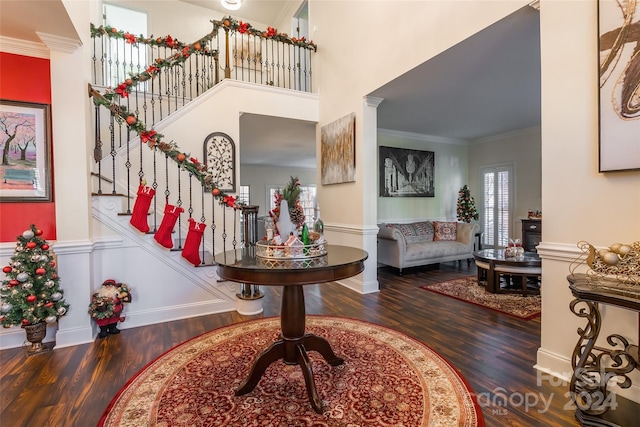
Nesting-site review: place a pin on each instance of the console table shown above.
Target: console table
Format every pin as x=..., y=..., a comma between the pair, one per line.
x=531, y=234
x=592, y=367
x=243, y=266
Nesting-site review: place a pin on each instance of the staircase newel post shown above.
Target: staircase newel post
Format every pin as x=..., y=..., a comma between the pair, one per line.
x=249, y=300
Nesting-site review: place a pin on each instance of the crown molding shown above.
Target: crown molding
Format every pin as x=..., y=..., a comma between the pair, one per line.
x=58, y=43
x=506, y=135
x=23, y=47
x=422, y=137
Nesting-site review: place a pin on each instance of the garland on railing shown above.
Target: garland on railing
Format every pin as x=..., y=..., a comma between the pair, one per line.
x=154, y=140
x=167, y=41
x=270, y=34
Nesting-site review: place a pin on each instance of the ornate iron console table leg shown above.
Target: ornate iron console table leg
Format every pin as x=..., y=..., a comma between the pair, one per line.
x=593, y=367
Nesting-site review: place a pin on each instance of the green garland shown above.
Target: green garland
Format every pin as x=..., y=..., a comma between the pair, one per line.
x=270, y=33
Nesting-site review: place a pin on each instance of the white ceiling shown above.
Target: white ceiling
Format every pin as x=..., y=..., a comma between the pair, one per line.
x=486, y=85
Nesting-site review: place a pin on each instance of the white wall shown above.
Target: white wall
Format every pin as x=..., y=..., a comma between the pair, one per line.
x=523, y=150
x=450, y=175
x=578, y=203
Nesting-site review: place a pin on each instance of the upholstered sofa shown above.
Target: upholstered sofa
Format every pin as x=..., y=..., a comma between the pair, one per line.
x=425, y=242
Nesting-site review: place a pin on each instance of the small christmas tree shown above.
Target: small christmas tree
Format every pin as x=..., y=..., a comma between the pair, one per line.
x=466, y=209
x=31, y=294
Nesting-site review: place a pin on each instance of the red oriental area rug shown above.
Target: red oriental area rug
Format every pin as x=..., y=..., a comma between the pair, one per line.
x=467, y=289
x=387, y=379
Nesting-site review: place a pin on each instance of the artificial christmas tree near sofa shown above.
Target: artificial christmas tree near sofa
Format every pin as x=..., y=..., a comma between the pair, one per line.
x=30, y=295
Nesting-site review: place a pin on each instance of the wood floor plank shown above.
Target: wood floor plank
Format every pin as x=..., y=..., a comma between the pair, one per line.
x=494, y=352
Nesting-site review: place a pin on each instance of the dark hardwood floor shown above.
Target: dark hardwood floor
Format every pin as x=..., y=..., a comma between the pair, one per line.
x=495, y=353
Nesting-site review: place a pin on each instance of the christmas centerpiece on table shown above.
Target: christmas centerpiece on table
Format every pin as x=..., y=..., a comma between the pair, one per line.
x=30, y=295
x=288, y=236
x=107, y=304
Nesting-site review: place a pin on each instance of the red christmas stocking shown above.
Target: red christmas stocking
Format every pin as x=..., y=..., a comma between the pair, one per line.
x=191, y=249
x=141, y=208
x=163, y=235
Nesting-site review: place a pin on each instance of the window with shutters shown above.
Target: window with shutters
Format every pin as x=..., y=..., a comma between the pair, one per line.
x=497, y=205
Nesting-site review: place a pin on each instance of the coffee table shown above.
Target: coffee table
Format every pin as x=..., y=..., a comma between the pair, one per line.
x=494, y=264
x=243, y=266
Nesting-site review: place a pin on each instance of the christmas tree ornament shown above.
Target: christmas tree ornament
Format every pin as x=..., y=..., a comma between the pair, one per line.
x=31, y=245
x=44, y=258
x=7, y=269
x=52, y=264
x=6, y=307
x=163, y=235
x=35, y=258
x=51, y=319
x=141, y=208
x=49, y=304
x=22, y=277
x=49, y=284
x=13, y=282
x=191, y=250
x=28, y=234
x=40, y=271
x=62, y=311
x=45, y=247
x=27, y=285
x=17, y=264
x=19, y=248
x=31, y=299
x=56, y=296
x=38, y=232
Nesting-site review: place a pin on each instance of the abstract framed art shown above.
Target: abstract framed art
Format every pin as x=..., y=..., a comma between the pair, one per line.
x=338, y=151
x=25, y=170
x=406, y=173
x=619, y=81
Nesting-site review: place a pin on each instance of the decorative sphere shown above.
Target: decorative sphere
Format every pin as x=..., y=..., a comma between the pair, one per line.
x=31, y=298
x=6, y=307
x=615, y=246
x=38, y=232
x=19, y=248
x=62, y=311
x=17, y=264
x=624, y=250
x=22, y=277
x=44, y=258
x=40, y=271
x=28, y=234
x=6, y=269
x=45, y=247
x=610, y=258
x=56, y=296
x=31, y=245
x=27, y=285
x=35, y=258
x=49, y=283
x=51, y=319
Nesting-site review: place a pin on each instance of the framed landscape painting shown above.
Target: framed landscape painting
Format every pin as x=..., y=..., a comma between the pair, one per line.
x=406, y=173
x=25, y=170
x=619, y=79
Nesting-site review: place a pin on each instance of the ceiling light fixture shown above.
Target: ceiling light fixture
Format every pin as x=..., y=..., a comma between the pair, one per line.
x=231, y=4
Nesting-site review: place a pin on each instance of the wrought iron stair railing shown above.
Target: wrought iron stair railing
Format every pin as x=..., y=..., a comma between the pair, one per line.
x=148, y=93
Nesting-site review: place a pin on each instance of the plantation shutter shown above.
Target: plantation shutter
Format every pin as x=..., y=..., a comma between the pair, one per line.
x=496, y=205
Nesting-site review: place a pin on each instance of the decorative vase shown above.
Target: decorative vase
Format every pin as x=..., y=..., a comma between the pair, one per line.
x=35, y=335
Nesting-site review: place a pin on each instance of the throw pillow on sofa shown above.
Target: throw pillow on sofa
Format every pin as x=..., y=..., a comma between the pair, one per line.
x=415, y=232
x=444, y=230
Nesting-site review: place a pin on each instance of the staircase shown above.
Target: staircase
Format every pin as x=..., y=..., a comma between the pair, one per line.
x=164, y=284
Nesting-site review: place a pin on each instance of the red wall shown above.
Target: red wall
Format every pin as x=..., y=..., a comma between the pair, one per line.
x=24, y=78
